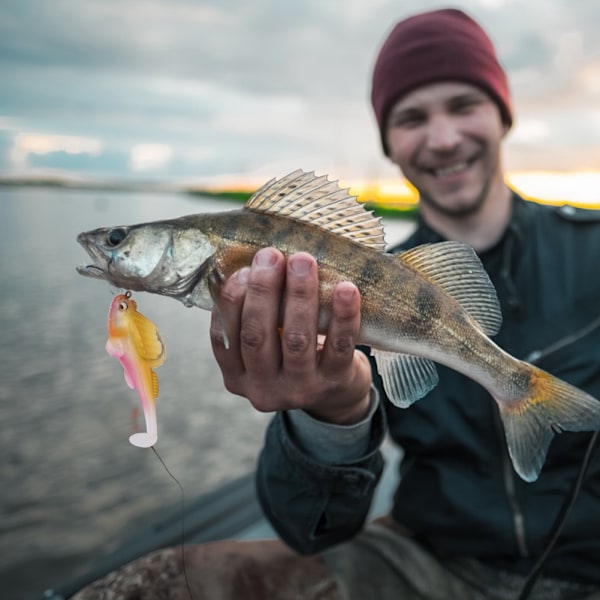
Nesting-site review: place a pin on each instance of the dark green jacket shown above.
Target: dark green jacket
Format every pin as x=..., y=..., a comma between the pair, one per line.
x=458, y=492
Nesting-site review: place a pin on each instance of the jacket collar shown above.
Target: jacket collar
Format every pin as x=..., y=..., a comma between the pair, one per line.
x=516, y=228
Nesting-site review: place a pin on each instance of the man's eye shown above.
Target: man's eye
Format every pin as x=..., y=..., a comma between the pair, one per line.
x=463, y=106
x=405, y=121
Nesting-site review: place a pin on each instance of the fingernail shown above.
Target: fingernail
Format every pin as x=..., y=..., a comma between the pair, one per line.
x=345, y=291
x=299, y=264
x=242, y=275
x=265, y=258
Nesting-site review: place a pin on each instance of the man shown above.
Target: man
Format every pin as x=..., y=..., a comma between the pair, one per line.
x=463, y=525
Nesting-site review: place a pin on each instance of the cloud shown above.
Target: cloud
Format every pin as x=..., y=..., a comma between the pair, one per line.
x=25, y=144
x=146, y=157
x=244, y=86
x=531, y=131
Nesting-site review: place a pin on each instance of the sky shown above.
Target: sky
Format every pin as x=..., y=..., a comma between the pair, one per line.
x=195, y=91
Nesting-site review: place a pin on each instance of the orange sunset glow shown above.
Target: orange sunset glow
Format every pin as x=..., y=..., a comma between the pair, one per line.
x=578, y=188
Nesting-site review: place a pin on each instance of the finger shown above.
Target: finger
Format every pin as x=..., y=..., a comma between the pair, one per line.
x=259, y=337
x=299, y=333
x=225, y=324
x=343, y=330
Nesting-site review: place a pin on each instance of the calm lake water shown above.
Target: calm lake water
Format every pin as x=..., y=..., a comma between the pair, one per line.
x=73, y=488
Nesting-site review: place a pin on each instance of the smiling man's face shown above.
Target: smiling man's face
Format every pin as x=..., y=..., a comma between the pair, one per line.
x=446, y=138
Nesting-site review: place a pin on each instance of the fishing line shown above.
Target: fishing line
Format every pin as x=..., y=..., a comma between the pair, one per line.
x=560, y=521
x=182, y=500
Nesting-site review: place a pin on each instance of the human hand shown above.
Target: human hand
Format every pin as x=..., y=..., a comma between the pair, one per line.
x=282, y=369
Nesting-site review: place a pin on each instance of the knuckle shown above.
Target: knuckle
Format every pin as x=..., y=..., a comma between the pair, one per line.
x=229, y=296
x=300, y=293
x=296, y=343
x=252, y=337
x=342, y=344
x=260, y=288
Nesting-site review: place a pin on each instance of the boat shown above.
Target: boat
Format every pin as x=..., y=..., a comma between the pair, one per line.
x=231, y=511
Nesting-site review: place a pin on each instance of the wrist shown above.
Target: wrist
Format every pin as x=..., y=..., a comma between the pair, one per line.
x=345, y=415
x=331, y=443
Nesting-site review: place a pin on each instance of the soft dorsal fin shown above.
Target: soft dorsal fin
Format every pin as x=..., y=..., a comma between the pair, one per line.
x=316, y=200
x=456, y=268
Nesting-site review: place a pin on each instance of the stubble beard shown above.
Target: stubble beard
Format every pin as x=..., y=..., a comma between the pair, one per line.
x=460, y=212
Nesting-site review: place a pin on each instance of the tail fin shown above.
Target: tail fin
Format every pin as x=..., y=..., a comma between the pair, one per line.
x=552, y=406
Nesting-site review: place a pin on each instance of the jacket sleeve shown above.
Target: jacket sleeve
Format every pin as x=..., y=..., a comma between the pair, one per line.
x=314, y=505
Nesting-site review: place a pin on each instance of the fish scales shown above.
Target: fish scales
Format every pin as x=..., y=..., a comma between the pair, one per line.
x=431, y=304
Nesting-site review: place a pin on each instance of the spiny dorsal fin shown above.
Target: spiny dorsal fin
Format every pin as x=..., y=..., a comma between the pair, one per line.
x=456, y=268
x=316, y=200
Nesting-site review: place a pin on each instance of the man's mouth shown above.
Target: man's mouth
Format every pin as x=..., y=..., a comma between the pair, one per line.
x=451, y=169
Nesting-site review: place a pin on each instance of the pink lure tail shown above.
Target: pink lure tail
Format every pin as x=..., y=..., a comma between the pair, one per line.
x=136, y=342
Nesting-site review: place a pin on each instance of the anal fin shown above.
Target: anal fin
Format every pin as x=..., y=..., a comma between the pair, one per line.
x=406, y=378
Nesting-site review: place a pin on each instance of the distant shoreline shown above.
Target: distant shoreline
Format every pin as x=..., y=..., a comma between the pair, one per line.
x=396, y=208
x=88, y=184
x=383, y=203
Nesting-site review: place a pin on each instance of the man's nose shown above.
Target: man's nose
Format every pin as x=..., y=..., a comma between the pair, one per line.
x=443, y=133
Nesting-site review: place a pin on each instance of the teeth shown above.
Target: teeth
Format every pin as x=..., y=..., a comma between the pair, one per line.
x=451, y=170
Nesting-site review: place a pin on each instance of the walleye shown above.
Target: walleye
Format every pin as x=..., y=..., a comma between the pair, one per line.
x=433, y=303
x=135, y=341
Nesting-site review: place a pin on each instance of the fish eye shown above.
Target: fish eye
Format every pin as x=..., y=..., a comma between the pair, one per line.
x=123, y=305
x=115, y=236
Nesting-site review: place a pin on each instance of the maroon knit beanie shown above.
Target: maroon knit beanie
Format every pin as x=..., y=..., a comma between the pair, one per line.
x=442, y=45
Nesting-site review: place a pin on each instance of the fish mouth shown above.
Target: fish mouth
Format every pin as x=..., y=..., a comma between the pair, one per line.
x=91, y=271
x=98, y=269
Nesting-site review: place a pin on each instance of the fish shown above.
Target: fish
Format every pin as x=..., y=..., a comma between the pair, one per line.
x=430, y=304
x=136, y=342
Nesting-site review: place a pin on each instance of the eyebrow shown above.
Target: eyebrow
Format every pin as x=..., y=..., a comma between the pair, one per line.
x=471, y=95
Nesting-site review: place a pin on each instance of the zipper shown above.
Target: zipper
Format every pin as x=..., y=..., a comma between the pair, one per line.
x=536, y=356
x=508, y=474
x=518, y=517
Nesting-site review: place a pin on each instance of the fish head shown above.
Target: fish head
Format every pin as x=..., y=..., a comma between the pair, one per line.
x=162, y=257
x=124, y=256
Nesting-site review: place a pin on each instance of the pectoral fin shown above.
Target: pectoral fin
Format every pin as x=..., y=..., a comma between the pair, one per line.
x=406, y=378
x=215, y=281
